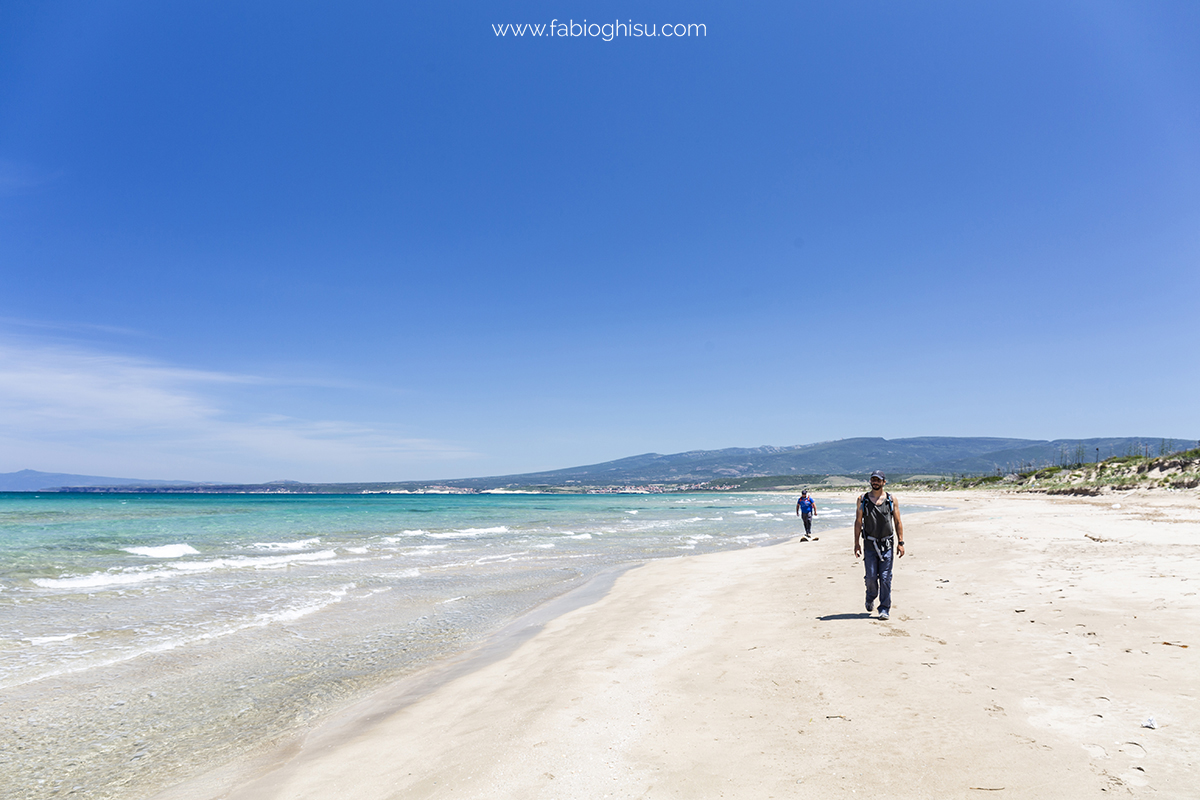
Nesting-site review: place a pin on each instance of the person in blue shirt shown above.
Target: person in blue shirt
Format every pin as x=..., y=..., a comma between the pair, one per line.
x=806, y=509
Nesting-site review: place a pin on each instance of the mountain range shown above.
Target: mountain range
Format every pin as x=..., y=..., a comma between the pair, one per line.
x=928, y=455
x=932, y=455
x=30, y=480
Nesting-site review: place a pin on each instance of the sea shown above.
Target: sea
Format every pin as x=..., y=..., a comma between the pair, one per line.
x=147, y=637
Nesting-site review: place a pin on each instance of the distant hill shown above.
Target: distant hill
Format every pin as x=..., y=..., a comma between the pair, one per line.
x=938, y=455
x=925, y=455
x=28, y=480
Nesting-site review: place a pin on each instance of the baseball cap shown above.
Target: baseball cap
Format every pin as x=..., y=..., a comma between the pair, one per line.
x=878, y=474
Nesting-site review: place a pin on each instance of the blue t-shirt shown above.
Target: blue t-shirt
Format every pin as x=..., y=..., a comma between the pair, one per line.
x=807, y=506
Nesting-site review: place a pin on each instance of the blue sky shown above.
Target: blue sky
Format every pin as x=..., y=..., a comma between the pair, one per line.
x=375, y=241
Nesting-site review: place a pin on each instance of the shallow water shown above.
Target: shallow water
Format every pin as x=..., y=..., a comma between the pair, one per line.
x=143, y=637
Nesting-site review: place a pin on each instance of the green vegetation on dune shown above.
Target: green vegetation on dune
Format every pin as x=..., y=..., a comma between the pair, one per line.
x=1173, y=471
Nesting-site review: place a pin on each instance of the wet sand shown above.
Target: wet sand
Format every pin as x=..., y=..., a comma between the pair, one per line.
x=1032, y=638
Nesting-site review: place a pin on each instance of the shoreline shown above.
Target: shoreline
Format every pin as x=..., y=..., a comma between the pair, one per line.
x=115, y=692
x=1031, y=637
x=395, y=697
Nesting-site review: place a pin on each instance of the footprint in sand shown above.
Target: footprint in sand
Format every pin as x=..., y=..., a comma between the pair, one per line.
x=1134, y=778
x=1095, y=751
x=1132, y=749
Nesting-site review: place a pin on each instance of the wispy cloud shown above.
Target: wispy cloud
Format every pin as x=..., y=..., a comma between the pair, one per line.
x=73, y=409
x=17, y=177
x=68, y=327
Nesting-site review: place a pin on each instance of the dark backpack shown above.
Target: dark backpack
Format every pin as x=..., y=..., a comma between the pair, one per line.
x=869, y=508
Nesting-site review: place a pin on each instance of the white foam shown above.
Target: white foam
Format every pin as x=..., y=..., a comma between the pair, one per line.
x=580, y=536
x=260, y=620
x=469, y=533
x=356, y=550
x=98, y=579
x=498, y=559
x=299, y=611
x=131, y=577
x=303, y=544
x=404, y=535
x=163, y=551
x=751, y=512
x=39, y=640
x=649, y=525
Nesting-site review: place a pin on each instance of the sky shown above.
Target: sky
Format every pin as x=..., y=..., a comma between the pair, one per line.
x=253, y=241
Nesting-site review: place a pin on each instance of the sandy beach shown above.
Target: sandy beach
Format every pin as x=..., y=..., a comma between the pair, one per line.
x=1031, y=642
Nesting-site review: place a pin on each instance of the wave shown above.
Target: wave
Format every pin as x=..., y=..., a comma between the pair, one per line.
x=469, y=533
x=131, y=577
x=66, y=637
x=303, y=544
x=404, y=535
x=287, y=614
x=303, y=610
x=503, y=558
x=163, y=551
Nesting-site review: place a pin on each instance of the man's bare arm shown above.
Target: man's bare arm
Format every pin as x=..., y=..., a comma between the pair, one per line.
x=858, y=519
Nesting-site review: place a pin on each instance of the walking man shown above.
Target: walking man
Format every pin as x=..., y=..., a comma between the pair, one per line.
x=876, y=521
x=806, y=509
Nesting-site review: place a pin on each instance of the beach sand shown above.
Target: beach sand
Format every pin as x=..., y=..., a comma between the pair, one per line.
x=1031, y=640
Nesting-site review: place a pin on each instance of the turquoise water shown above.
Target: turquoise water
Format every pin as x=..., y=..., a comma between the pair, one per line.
x=180, y=568
x=209, y=623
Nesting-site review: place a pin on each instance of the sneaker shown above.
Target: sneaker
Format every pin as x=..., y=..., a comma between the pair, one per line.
x=883, y=614
x=870, y=606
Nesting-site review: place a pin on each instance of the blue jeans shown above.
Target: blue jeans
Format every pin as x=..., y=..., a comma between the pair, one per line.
x=879, y=574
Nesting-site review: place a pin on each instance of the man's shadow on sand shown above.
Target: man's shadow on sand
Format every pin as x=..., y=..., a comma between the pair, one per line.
x=856, y=615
